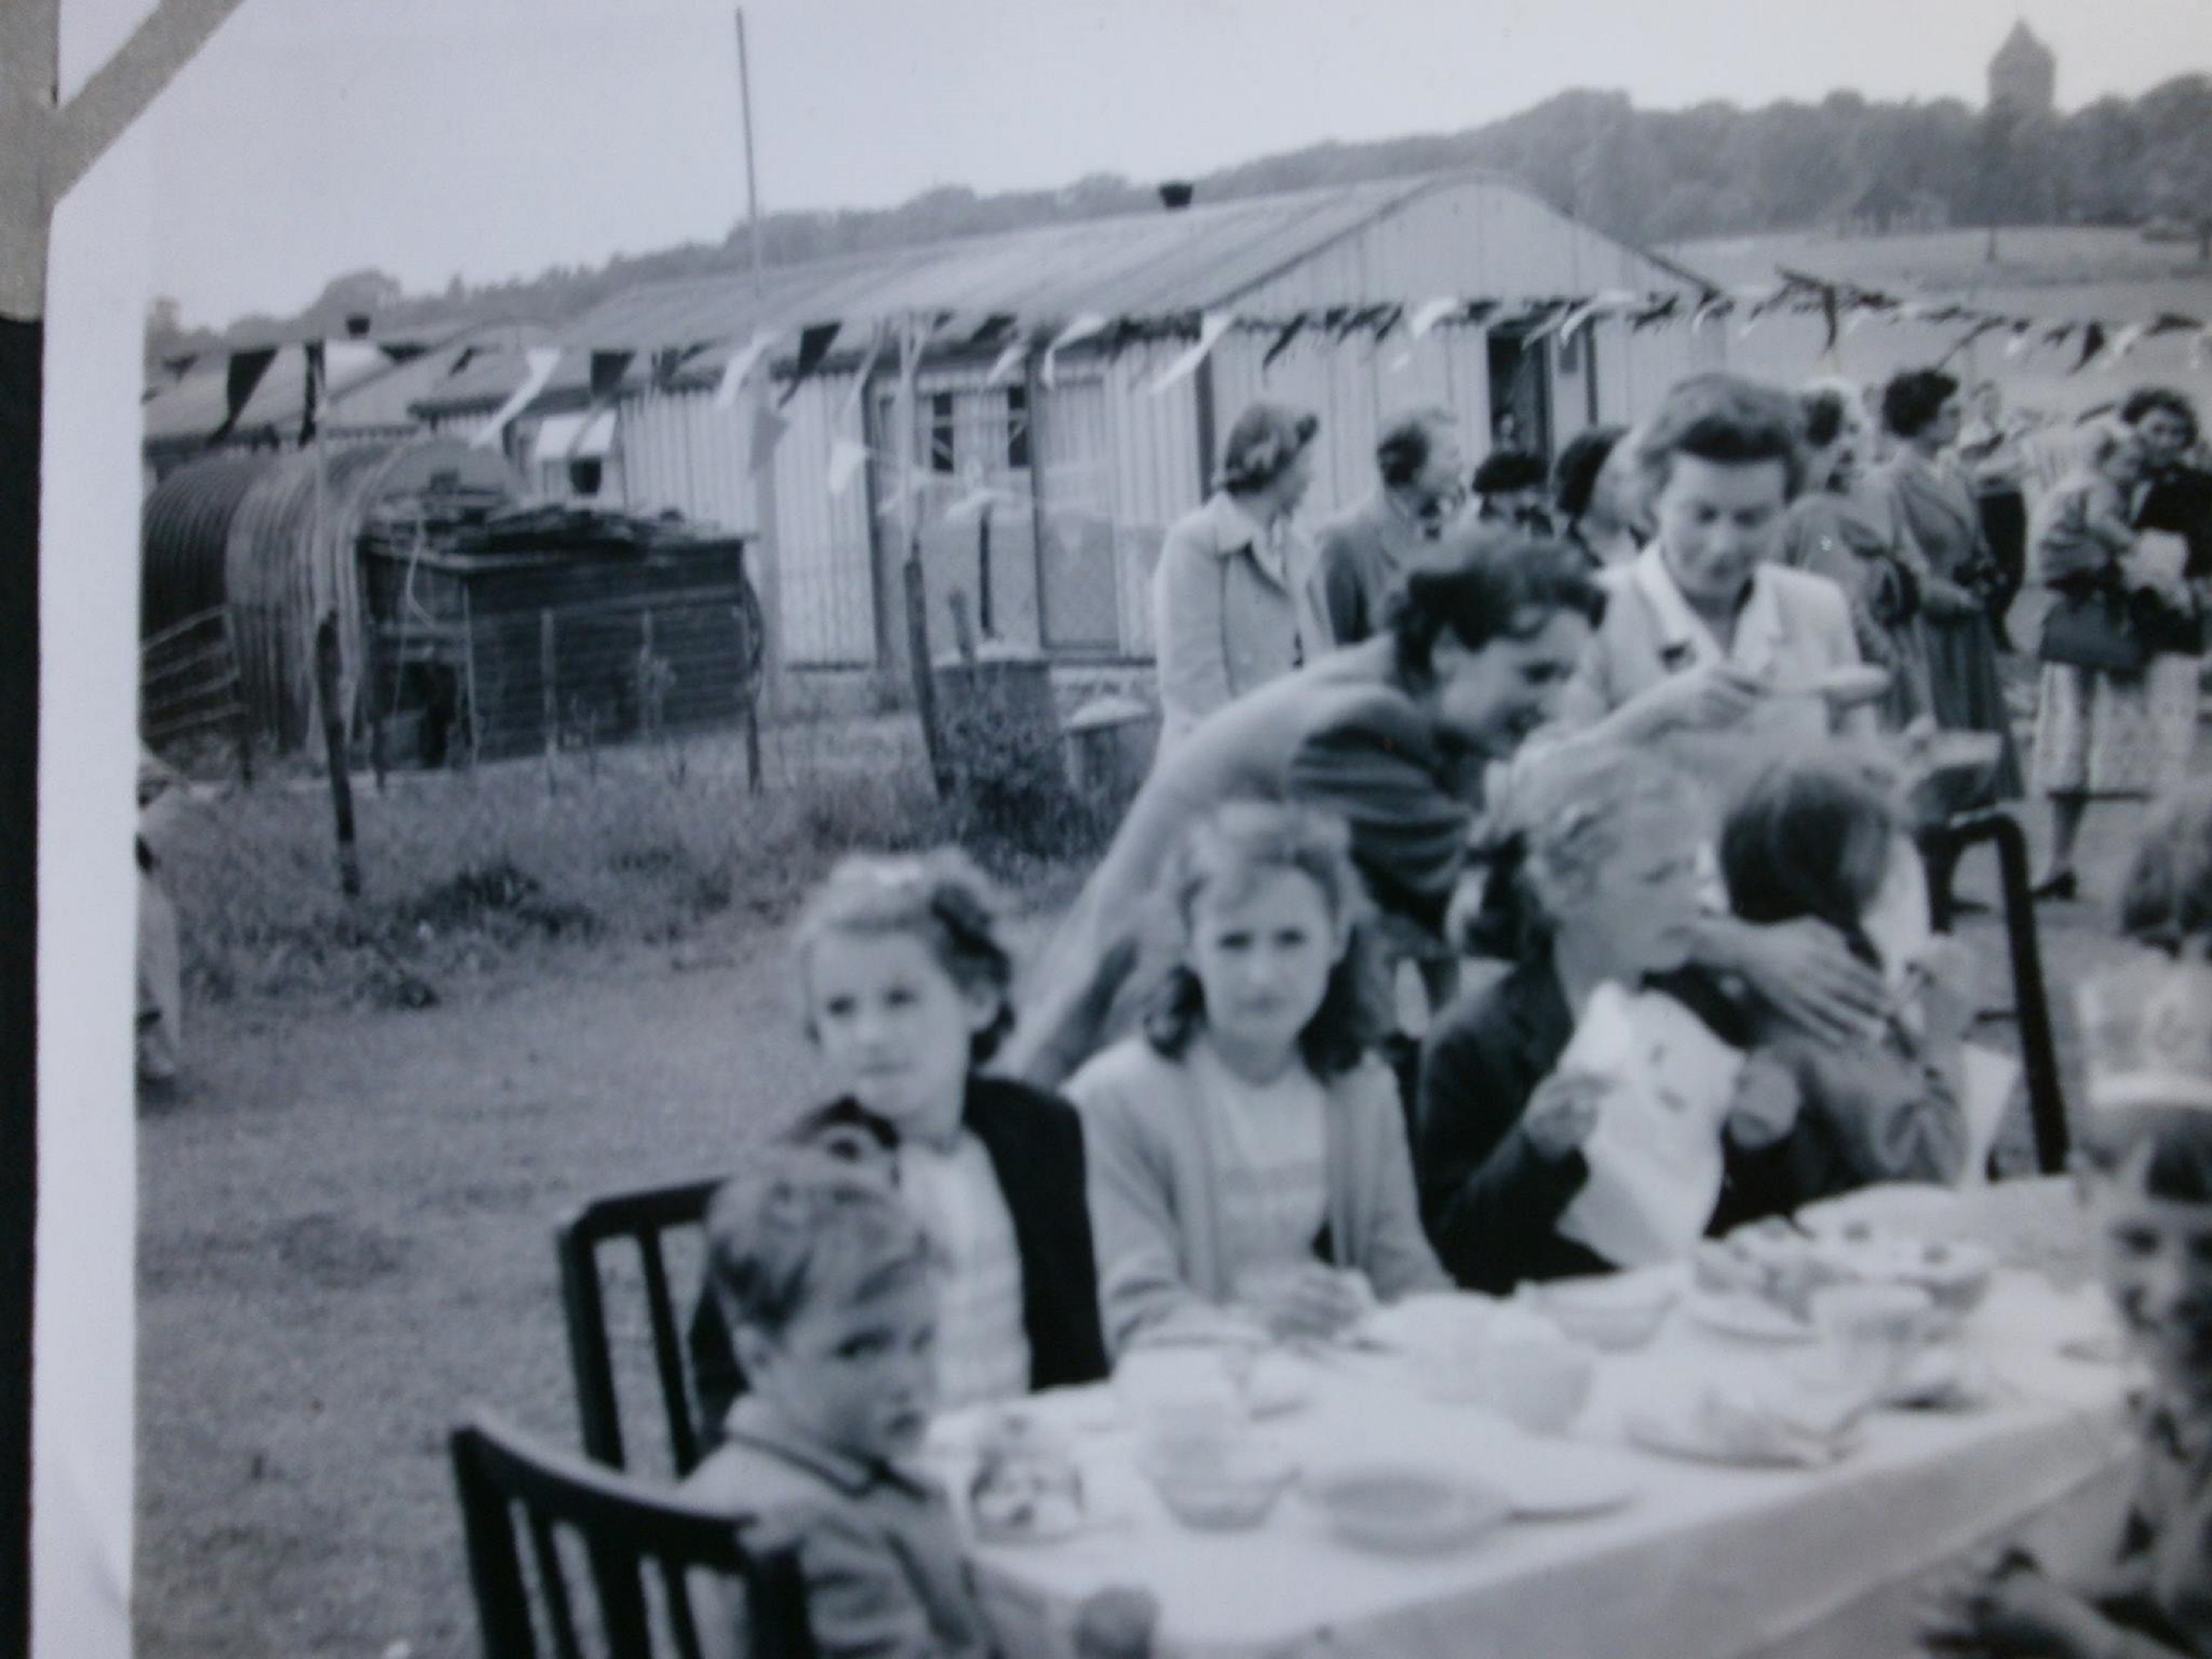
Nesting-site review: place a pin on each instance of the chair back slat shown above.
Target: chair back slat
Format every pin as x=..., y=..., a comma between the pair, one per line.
x=1942, y=847
x=668, y=1356
x=643, y=1219
x=681, y=1624
x=553, y=1585
x=622, y=1525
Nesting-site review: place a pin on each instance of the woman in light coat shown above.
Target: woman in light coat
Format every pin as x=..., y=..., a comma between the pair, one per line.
x=1226, y=620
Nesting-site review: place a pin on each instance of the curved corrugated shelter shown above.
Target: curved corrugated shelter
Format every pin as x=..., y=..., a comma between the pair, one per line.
x=241, y=532
x=183, y=530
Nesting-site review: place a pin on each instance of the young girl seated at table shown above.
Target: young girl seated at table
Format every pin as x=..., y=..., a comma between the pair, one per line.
x=1248, y=1158
x=906, y=986
x=1821, y=836
x=2145, y=1164
x=1609, y=842
x=833, y=1290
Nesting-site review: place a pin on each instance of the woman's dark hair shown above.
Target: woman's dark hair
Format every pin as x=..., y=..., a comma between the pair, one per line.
x=1262, y=443
x=1825, y=413
x=1236, y=843
x=1809, y=837
x=1504, y=471
x=1487, y=581
x=1912, y=399
x=2159, y=400
x=1407, y=443
x=2166, y=900
x=1574, y=475
x=1726, y=420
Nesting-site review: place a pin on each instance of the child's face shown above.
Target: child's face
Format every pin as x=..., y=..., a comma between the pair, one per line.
x=892, y=1024
x=2155, y=1256
x=1644, y=899
x=857, y=1376
x=2123, y=463
x=1263, y=951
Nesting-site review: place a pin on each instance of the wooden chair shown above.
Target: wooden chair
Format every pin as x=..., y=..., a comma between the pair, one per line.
x=1942, y=846
x=628, y=1534
x=645, y=1220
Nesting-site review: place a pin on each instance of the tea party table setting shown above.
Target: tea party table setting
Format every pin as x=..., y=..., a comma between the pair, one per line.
x=1767, y=1450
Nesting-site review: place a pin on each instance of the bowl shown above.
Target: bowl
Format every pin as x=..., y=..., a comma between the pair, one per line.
x=1231, y=1492
x=1403, y=1510
x=1611, y=1314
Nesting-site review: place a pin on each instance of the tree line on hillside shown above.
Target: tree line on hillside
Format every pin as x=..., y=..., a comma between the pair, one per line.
x=1646, y=176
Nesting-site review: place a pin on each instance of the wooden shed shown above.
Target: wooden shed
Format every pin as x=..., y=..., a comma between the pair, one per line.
x=517, y=631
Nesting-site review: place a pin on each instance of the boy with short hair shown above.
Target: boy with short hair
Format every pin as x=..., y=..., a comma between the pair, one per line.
x=830, y=1285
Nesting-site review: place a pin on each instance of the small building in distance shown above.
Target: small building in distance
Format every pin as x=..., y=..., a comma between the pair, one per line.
x=2024, y=73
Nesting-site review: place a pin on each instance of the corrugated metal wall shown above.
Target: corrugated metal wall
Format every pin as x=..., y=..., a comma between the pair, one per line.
x=678, y=450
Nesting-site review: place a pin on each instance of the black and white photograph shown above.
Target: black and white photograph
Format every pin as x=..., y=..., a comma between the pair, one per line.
x=1177, y=829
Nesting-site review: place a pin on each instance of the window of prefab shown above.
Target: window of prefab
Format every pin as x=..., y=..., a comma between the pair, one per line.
x=585, y=476
x=942, y=457
x=1018, y=427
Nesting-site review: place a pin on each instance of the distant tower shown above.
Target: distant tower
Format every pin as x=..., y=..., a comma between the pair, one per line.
x=2024, y=73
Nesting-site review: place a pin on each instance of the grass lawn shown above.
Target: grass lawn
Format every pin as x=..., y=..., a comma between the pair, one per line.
x=345, y=1239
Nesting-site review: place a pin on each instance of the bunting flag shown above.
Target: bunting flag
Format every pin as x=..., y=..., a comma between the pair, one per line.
x=768, y=428
x=1713, y=305
x=1075, y=333
x=2122, y=343
x=1429, y=312
x=740, y=365
x=876, y=338
x=542, y=362
x=1211, y=328
x=847, y=458
x=814, y=343
x=2023, y=337
x=608, y=369
x=2092, y=343
x=240, y=383
x=1290, y=332
x=1008, y=361
x=1829, y=301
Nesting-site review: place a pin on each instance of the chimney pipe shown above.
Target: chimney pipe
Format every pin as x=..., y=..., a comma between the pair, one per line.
x=357, y=326
x=1174, y=196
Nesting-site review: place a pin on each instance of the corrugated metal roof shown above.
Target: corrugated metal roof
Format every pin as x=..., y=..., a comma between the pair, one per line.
x=1144, y=264
x=381, y=399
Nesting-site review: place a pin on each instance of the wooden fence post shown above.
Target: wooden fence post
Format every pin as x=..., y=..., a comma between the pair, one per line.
x=552, y=695
x=334, y=746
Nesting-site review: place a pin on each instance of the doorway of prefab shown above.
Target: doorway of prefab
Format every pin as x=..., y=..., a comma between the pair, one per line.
x=974, y=504
x=1520, y=392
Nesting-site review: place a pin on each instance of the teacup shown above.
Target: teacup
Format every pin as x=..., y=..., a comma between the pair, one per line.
x=1874, y=1330
x=1536, y=1376
x=1442, y=1338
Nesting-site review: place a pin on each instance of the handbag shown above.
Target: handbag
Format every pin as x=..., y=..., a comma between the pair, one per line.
x=2094, y=628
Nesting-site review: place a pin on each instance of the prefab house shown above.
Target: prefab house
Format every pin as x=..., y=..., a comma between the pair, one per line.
x=1037, y=479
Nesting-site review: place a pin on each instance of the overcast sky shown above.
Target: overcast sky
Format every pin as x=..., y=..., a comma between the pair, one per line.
x=494, y=138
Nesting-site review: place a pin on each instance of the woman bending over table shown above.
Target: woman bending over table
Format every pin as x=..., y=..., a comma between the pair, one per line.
x=1248, y=1158
x=1611, y=892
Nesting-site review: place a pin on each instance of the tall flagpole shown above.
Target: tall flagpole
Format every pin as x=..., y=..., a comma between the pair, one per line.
x=767, y=564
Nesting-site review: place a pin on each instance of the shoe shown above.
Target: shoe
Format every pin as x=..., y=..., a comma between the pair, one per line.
x=2063, y=886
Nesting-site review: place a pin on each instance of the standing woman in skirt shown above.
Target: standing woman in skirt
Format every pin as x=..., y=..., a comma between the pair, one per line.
x=1943, y=527
x=2097, y=737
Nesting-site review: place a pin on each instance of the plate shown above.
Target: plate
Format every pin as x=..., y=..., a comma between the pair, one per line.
x=1399, y=1509
x=1566, y=1487
x=1684, y=1432
x=1749, y=1317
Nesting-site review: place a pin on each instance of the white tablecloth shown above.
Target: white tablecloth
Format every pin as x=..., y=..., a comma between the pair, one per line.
x=1704, y=1562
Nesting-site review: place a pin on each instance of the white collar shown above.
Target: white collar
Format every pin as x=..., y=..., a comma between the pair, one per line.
x=1757, y=626
x=1236, y=530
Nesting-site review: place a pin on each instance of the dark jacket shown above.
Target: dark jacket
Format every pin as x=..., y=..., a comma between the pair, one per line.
x=1492, y=1202
x=1035, y=1143
x=2179, y=501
